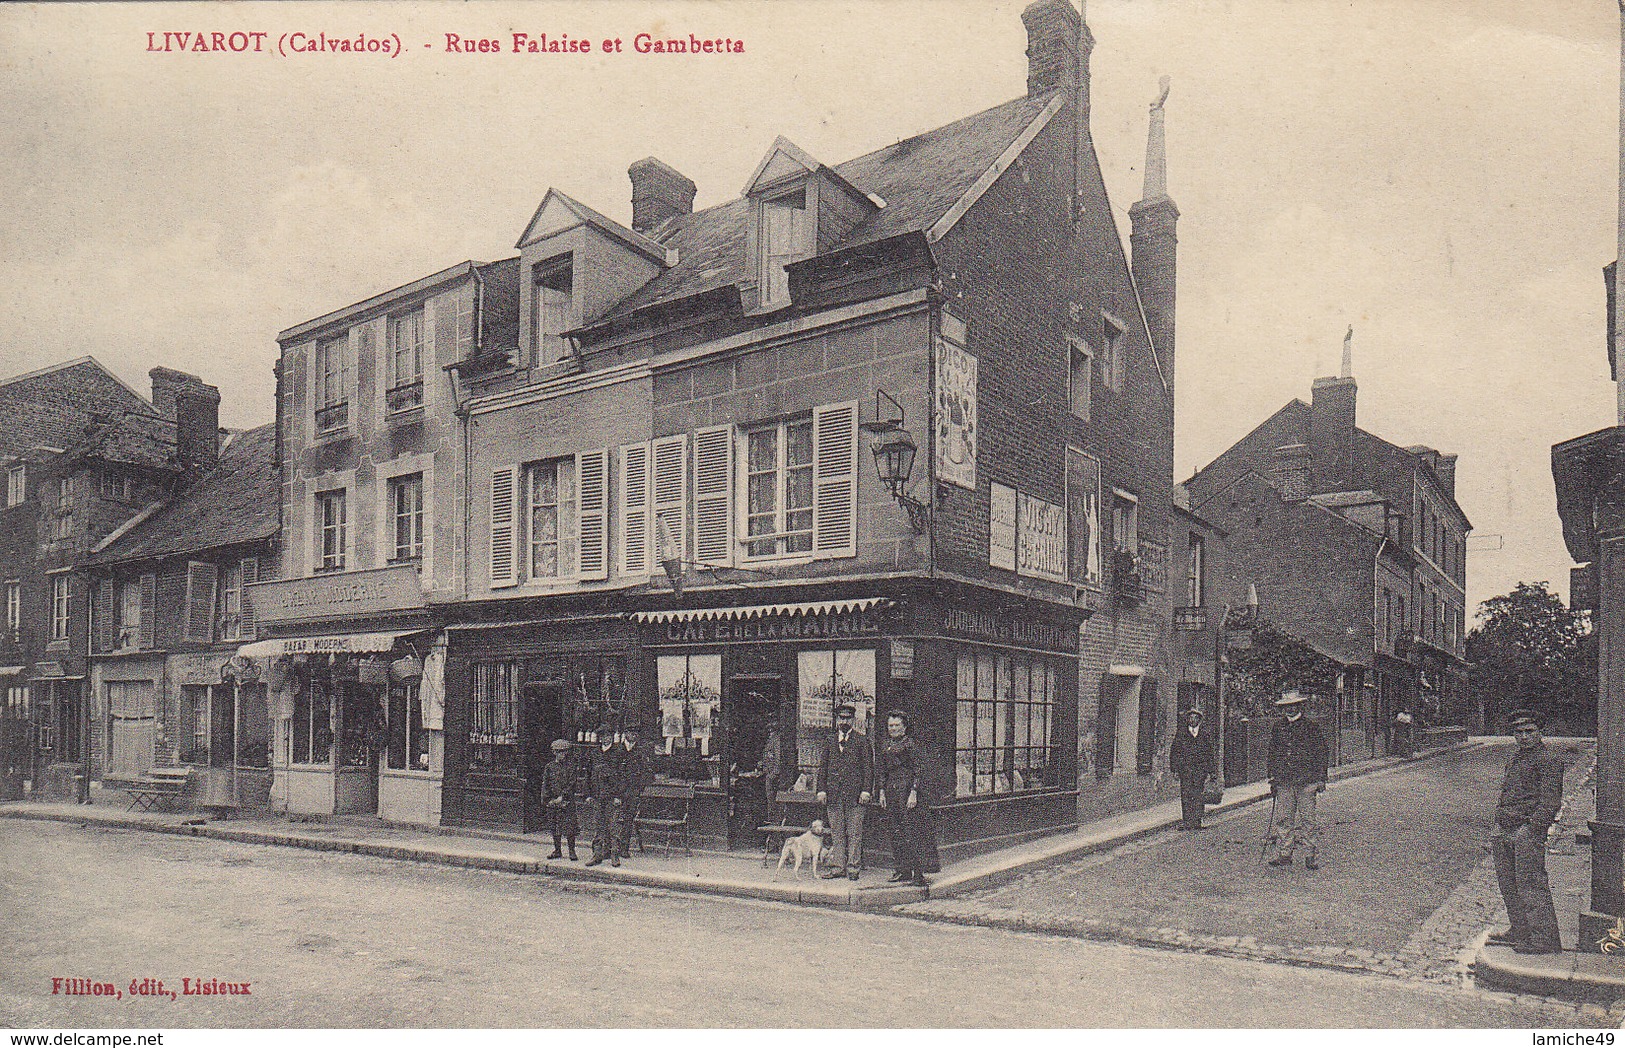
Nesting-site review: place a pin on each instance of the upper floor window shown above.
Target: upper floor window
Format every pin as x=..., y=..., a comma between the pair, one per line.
x=779, y=489
x=550, y=314
x=552, y=502
x=1081, y=379
x=1112, y=363
x=115, y=485
x=236, y=619
x=16, y=485
x=406, y=513
x=61, y=606
x=1196, y=573
x=129, y=614
x=1125, y=522
x=332, y=384
x=14, y=605
x=786, y=236
x=406, y=361
x=62, y=520
x=333, y=528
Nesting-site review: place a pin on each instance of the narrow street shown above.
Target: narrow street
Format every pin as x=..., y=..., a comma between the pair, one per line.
x=340, y=940
x=1405, y=883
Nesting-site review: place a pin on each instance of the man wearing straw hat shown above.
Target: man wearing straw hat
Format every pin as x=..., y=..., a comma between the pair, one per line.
x=1297, y=766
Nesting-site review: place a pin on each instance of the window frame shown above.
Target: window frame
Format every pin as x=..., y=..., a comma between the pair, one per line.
x=14, y=605
x=1080, y=364
x=563, y=538
x=773, y=280
x=999, y=692
x=120, y=484
x=332, y=557
x=16, y=485
x=547, y=275
x=1125, y=506
x=395, y=488
x=1112, y=331
x=127, y=635
x=330, y=385
x=405, y=393
x=61, y=606
x=781, y=536
x=1196, y=571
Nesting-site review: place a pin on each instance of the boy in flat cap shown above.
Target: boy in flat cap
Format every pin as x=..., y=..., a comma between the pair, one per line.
x=1297, y=765
x=558, y=799
x=1530, y=796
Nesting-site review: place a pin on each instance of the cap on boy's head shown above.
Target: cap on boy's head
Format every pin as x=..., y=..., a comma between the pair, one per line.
x=1523, y=719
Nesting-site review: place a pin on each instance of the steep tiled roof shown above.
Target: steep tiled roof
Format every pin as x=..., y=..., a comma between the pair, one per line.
x=235, y=502
x=58, y=407
x=919, y=178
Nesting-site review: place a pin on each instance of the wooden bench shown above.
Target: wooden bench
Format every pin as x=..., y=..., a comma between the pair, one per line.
x=156, y=789
x=791, y=815
x=664, y=808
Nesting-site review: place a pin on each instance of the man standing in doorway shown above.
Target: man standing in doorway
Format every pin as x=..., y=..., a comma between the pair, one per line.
x=1297, y=766
x=1530, y=796
x=846, y=777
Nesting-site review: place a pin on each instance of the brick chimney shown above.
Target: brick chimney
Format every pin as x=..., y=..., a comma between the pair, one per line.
x=194, y=406
x=1154, y=240
x=1331, y=434
x=659, y=193
x=1445, y=467
x=1290, y=471
x=1058, y=46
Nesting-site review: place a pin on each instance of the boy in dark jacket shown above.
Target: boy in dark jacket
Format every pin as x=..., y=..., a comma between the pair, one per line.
x=558, y=799
x=1297, y=766
x=1531, y=793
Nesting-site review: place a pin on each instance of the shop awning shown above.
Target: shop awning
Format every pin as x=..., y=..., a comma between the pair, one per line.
x=332, y=644
x=760, y=611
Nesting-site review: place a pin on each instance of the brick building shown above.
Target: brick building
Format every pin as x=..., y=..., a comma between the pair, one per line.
x=83, y=455
x=167, y=614
x=653, y=502
x=1356, y=547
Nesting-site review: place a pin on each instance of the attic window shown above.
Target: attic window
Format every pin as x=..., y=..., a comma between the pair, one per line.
x=550, y=313
x=786, y=236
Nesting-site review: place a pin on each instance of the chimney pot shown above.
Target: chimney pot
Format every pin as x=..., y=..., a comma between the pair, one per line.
x=659, y=193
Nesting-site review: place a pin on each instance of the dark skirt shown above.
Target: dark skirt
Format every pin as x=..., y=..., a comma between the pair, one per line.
x=913, y=839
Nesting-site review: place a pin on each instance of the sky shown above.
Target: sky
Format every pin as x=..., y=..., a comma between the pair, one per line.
x=1440, y=174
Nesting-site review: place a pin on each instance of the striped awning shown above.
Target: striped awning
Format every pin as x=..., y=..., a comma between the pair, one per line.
x=332, y=644
x=761, y=611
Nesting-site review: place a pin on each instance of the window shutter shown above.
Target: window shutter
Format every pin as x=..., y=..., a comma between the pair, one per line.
x=250, y=570
x=149, y=611
x=835, y=480
x=713, y=495
x=592, y=513
x=635, y=509
x=504, y=560
x=106, y=616
x=201, y=582
x=670, y=493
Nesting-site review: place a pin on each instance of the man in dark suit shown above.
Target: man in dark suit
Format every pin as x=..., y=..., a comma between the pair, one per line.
x=1298, y=763
x=634, y=777
x=1193, y=759
x=846, y=780
x=608, y=779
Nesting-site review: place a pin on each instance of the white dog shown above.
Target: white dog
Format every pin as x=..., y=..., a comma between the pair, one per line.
x=809, y=845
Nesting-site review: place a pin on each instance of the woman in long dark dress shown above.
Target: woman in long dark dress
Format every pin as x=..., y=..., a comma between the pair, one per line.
x=902, y=789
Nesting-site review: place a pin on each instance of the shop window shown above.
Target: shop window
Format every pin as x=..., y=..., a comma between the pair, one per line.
x=690, y=689
x=193, y=740
x=313, y=724
x=493, y=733
x=132, y=724
x=825, y=680
x=408, y=742
x=1005, y=713
x=779, y=489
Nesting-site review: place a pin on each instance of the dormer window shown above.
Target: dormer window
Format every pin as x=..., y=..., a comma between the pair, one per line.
x=550, y=312
x=786, y=236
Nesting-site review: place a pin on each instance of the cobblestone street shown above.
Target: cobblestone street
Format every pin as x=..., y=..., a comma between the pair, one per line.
x=1404, y=888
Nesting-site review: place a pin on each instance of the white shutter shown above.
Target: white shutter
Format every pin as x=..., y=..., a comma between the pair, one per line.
x=504, y=533
x=835, y=480
x=592, y=513
x=713, y=495
x=635, y=529
x=250, y=568
x=671, y=493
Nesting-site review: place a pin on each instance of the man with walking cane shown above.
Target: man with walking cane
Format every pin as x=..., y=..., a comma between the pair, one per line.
x=1298, y=763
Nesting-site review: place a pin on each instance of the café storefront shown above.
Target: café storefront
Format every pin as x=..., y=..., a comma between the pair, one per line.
x=988, y=678
x=356, y=716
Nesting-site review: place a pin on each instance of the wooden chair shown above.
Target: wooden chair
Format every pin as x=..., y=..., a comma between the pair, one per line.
x=792, y=812
x=664, y=808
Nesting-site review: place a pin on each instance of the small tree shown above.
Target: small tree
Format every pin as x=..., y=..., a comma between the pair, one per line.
x=1529, y=651
x=1273, y=663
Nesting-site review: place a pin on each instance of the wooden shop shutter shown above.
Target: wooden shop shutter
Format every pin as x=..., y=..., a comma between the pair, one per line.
x=149, y=611
x=1145, y=756
x=592, y=513
x=635, y=509
x=671, y=495
x=713, y=495
x=835, y=480
x=106, y=613
x=250, y=571
x=504, y=533
x=201, y=582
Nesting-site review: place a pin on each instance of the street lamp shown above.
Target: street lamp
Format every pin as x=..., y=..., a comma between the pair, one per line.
x=894, y=450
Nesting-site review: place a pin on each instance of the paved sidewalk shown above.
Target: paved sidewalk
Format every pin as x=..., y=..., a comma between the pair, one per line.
x=1585, y=976
x=715, y=873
